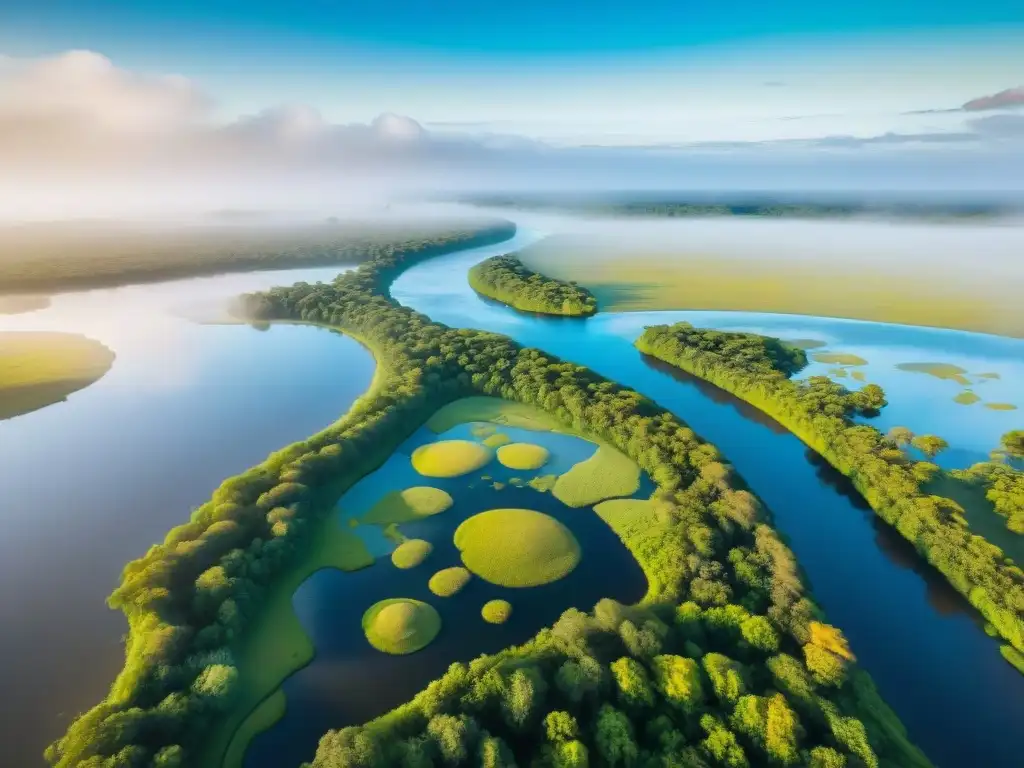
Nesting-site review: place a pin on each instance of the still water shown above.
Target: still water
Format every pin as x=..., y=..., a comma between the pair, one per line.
x=922, y=644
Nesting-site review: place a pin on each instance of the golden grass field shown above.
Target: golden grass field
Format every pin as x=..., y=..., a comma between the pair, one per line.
x=450, y=458
x=606, y=474
x=401, y=625
x=408, y=505
x=523, y=456
x=40, y=369
x=517, y=547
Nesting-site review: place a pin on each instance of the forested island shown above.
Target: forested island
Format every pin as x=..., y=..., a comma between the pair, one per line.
x=508, y=280
x=38, y=369
x=727, y=661
x=820, y=412
x=63, y=257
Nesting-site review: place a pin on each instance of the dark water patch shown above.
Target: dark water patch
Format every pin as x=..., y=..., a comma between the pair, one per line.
x=349, y=682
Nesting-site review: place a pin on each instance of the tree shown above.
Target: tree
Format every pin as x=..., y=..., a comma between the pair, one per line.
x=560, y=726
x=453, y=736
x=825, y=667
x=494, y=753
x=783, y=730
x=725, y=676
x=901, y=436
x=930, y=445
x=1011, y=445
x=631, y=681
x=678, y=680
x=613, y=735
x=577, y=680
x=759, y=632
x=524, y=695
x=571, y=754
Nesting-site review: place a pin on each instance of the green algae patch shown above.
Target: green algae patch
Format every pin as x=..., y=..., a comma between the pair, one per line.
x=408, y=505
x=839, y=373
x=859, y=376
x=517, y=547
x=400, y=625
x=543, y=483
x=270, y=710
x=497, y=485
x=523, y=456
x=806, y=343
x=491, y=409
x=496, y=611
x=497, y=440
x=606, y=474
x=449, y=581
x=450, y=458
x=938, y=370
x=1001, y=406
x=838, y=358
x=40, y=369
x=988, y=375
x=411, y=553
x=480, y=431
x=966, y=398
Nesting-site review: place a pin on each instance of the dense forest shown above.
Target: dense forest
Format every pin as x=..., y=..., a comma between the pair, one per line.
x=508, y=280
x=820, y=412
x=1003, y=479
x=70, y=257
x=703, y=205
x=728, y=661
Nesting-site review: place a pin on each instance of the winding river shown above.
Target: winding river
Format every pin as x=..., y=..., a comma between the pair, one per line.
x=91, y=482
x=918, y=638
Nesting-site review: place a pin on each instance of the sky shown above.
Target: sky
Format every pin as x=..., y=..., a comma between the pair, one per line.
x=596, y=89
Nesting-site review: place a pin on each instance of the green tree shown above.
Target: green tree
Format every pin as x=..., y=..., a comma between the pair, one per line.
x=560, y=726
x=725, y=676
x=678, y=680
x=523, y=697
x=494, y=753
x=901, y=436
x=632, y=683
x=571, y=754
x=783, y=731
x=453, y=736
x=613, y=735
x=930, y=445
x=759, y=632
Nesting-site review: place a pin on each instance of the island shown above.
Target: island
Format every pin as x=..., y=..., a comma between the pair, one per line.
x=508, y=280
x=38, y=369
x=727, y=660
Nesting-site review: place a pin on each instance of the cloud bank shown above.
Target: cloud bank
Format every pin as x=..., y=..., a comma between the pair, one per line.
x=78, y=131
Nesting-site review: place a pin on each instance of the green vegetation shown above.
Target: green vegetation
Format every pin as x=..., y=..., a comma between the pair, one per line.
x=543, y=483
x=721, y=582
x=408, y=505
x=859, y=376
x=1013, y=656
x=523, y=456
x=505, y=279
x=938, y=370
x=517, y=547
x=497, y=440
x=449, y=581
x=819, y=412
x=40, y=369
x=401, y=625
x=496, y=611
x=1001, y=406
x=261, y=719
x=837, y=358
x=606, y=474
x=966, y=398
x=1002, y=479
x=74, y=256
x=411, y=553
x=450, y=458
x=805, y=343
x=492, y=409
x=16, y=305
x=988, y=375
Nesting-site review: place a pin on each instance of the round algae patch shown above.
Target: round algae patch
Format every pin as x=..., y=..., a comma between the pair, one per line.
x=411, y=553
x=496, y=611
x=410, y=504
x=449, y=458
x=400, y=625
x=523, y=456
x=517, y=547
x=449, y=581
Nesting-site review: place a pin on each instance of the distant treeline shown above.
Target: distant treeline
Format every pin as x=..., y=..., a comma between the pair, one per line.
x=727, y=662
x=506, y=279
x=63, y=257
x=820, y=412
x=763, y=208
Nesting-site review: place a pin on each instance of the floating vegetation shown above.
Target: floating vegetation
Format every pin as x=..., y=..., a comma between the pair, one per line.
x=517, y=547
x=543, y=483
x=517, y=482
x=490, y=409
x=523, y=456
x=605, y=475
x=806, y=343
x=449, y=458
x=401, y=625
x=496, y=611
x=411, y=553
x=966, y=398
x=497, y=440
x=989, y=375
x=410, y=504
x=449, y=581
x=480, y=431
x=839, y=373
x=1001, y=406
x=859, y=375
x=838, y=358
x=938, y=370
